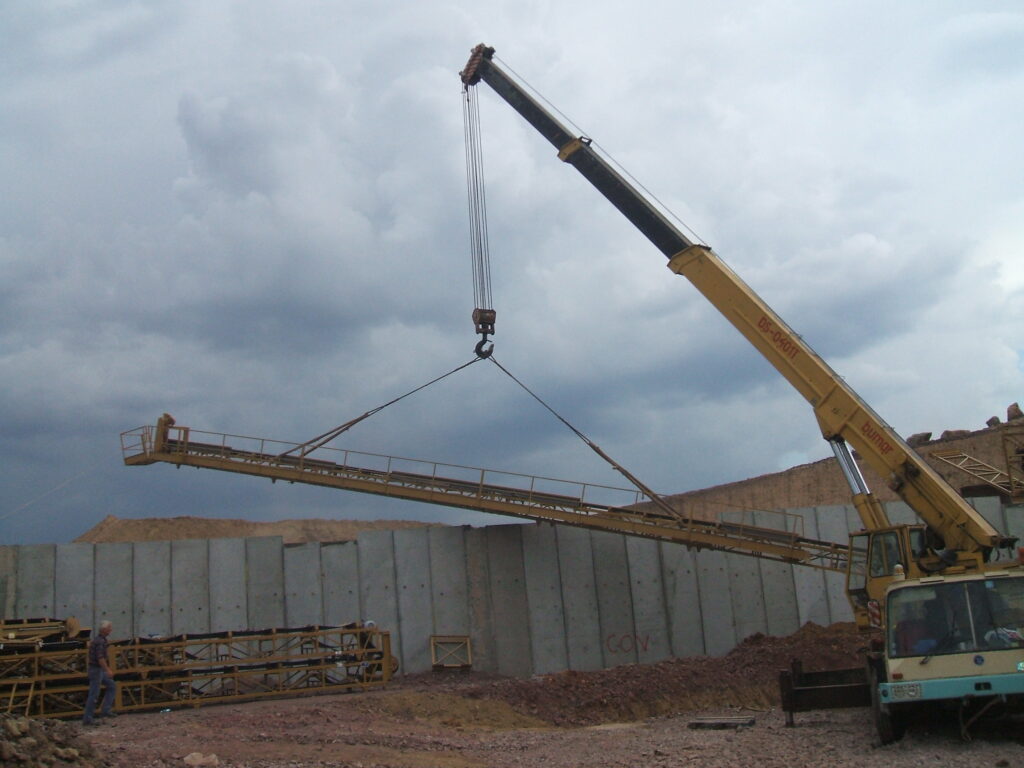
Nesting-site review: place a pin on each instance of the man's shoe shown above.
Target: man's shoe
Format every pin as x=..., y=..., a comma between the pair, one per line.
x=107, y=714
x=89, y=724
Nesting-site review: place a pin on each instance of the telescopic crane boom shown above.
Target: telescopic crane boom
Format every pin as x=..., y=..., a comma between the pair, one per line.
x=844, y=418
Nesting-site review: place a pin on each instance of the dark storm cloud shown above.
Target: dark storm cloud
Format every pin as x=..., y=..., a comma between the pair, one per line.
x=254, y=217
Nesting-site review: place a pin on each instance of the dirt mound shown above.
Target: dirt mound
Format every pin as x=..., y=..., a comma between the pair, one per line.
x=32, y=743
x=291, y=531
x=746, y=677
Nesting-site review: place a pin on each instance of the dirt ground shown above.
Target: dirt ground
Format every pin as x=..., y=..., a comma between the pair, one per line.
x=628, y=716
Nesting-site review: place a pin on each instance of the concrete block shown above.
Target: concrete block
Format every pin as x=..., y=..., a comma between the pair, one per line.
x=264, y=596
x=777, y=583
x=73, y=582
x=682, y=600
x=544, y=596
x=508, y=600
x=151, y=588
x=990, y=508
x=303, y=594
x=834, y=524
x=579, y=598
x=614, y=599
x=809, y=583
x=478, y=586
x=1014, y=515
x=715, y=602
x=8, y=581
x=377, y=584
x=190, y=587
x=448, y=580
x=114, y=600
x=229, y=605
x=415, y=610
x=747, y=594
x=650, y=618
x=36, y=573
x=898, y=512
x=340, y=565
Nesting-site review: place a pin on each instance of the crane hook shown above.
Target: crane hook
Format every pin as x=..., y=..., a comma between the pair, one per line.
x=482, y=353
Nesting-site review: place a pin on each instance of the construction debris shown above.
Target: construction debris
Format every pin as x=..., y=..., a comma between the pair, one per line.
x=31, y=743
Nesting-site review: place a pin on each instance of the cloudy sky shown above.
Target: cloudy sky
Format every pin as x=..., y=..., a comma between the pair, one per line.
x=252, y=215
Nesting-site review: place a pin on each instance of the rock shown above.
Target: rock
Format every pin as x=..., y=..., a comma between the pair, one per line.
x=919, y=439
x=198, y=759
x=952, y=434
x=993, y=422
x=1014, y=412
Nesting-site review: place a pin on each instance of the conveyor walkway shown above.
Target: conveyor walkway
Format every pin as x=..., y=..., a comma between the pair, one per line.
x=504, y=493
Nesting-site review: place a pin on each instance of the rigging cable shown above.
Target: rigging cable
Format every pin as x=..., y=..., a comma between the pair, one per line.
x=652, y=495
x=483, y=313
x=320, y=440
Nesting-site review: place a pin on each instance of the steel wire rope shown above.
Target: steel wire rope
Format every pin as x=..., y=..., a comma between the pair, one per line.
x=321, y=440
x=604, y=152
x=480, y=255
x=639, y=484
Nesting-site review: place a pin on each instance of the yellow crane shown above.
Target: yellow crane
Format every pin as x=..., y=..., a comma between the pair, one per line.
x=971, y=655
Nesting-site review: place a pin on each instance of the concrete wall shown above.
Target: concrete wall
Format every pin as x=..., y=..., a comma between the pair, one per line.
x=533, y=598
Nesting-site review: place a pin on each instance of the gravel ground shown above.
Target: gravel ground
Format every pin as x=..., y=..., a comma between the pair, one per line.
x=634, y=715
x=416, y=728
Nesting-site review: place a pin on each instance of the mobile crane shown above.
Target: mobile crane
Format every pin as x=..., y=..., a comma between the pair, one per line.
x=952, y=615
x=951, y=612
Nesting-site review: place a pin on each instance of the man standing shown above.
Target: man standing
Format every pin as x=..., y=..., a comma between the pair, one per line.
x=100, y=674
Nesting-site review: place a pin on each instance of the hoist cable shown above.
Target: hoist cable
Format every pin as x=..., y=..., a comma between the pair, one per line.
x=652, y=495
x=477, y=200
x=321, y=440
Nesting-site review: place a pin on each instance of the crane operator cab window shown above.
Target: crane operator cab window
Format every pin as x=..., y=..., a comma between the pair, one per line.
x=885, y=554
x=957, y=616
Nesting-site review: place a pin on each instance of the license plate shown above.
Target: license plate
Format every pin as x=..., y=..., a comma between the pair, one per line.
x=905, y=691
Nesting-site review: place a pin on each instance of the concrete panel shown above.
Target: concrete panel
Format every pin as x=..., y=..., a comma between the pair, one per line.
x=151, y=588
x=448, y=580
x=1015, y=520
x=377, y=584
x=415, y=610
x=898, y=512
x=614, y=599
x=303, y=594
x=715, y=602
x=544, y=596
x=579, y=597
x=114, y=588
x=809, y=583
x=478, y=585
x=35, y=597
x=650, y=619
x=73, y=582
x=340, y=566
x=229, y=607
x=264, y=595
x=682, y=600
x=991, y=508
x=8, y=581
x=834, y=525
x=508, y=600
x=747, y=596
x=777, y=584
x=190, y=587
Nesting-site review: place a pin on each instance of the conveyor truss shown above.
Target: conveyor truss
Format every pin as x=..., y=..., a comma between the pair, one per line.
x=43, y=674
x=532, y=497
